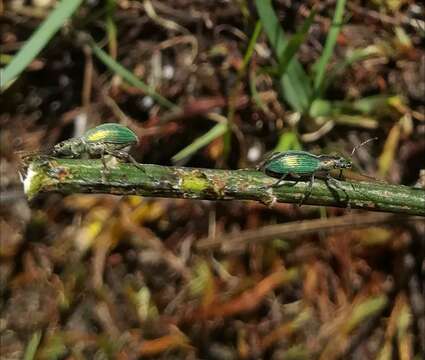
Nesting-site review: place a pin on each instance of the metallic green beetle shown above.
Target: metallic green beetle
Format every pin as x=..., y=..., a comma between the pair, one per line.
x=106, y=139
x=302, y=164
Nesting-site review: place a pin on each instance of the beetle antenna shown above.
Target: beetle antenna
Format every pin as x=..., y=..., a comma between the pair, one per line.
x=363, y=143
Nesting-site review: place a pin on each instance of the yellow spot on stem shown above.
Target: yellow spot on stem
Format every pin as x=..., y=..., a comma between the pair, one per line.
x=194, y=183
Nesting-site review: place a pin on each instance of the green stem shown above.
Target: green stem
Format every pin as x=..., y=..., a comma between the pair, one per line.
x=47, y=174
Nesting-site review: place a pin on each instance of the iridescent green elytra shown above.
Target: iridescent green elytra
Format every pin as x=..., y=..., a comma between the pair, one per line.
x=112, y=139
x=301, y=164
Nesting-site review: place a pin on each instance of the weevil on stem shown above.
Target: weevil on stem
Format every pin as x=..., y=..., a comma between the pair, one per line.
x=302, y=164
x=106, y=139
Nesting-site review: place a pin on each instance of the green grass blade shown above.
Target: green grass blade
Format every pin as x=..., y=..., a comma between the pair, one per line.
x=374, y=104
x=378, y=105
x=364, y=310
x=251, y=46
x=130, y=78
x=288, y=141
x=37, y=41
x=296, y=87
x=294, y=44
x=32, y=346
x=218, y=130
x=329, y=47
x=111, y=28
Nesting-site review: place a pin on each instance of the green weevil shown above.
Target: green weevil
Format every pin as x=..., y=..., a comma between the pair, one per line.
x=302, y=164
x=106, y=139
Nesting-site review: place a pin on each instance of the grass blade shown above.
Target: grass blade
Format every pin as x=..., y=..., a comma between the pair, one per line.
x=377, y=105
x=288, y=141
x=111, y=28
x=294, y=44
x=32, y=346
x=329, y=47
x=295, y=84
x=130, y=78
x=218, y=130
x=251, y=46
x=37, y=41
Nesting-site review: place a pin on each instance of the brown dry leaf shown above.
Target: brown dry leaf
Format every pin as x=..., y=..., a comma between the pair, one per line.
x=250, y=299
x=164, y=343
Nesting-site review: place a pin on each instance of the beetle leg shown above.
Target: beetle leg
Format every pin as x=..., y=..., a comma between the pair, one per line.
x=309, y=190
x=126, y=156
x=105, y=167
x=134, y=162
x=278, y=183
x=105, y=170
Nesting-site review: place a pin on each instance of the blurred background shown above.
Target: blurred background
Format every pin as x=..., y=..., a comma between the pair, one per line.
x=215, y=84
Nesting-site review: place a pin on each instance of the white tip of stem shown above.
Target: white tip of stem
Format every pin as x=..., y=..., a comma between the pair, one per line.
x=27, y=179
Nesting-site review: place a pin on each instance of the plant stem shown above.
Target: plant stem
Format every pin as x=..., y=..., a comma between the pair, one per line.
x=48, y=174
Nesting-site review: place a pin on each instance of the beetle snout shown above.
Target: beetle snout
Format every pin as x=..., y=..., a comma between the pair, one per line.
x=61, y=149
x=56, y=149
